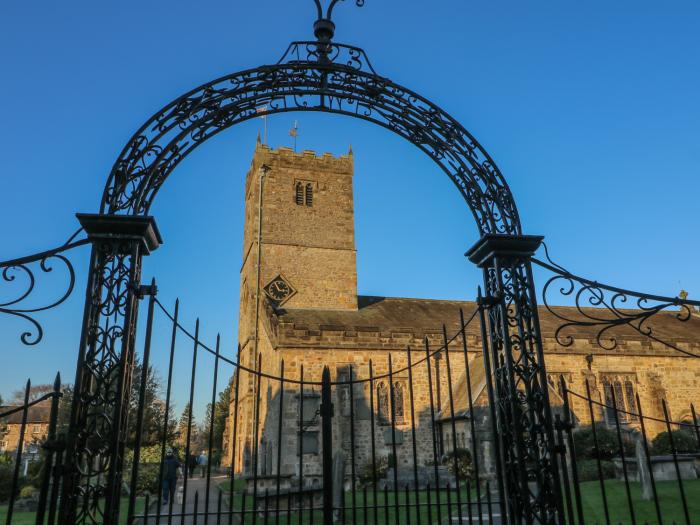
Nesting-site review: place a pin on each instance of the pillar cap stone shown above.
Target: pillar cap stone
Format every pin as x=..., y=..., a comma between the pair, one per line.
x=141, y=228
x=500, y=245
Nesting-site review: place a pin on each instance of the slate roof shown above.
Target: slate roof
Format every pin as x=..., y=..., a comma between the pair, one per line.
x=38, y=413
x=390, y=314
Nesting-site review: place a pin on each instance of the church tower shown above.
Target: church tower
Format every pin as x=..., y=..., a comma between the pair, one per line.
x=298, y=254
x=304, y=255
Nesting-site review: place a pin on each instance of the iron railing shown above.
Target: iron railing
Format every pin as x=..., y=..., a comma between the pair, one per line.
x=47, y=450
x=262, y=489
x=617, y=461
x=610, y=455
x=631, y=468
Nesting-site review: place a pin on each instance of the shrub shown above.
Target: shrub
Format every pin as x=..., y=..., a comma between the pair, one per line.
x=367, y=473
x=148, y=478
x=149, y=469
x=6, y=472
x=29, y=491
x=608, y=447
x=149, y=454
x=464, y=468
x=588, y=470
x=684, y=441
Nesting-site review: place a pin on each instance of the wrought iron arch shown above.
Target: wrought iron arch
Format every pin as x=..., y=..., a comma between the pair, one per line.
x=311, y=76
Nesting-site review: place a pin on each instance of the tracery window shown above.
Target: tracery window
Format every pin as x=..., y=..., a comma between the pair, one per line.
x=554, y=380
x=398, y=402
x=383, y=403
x=619, y=394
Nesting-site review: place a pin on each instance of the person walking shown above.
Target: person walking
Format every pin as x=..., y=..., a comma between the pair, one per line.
x=202, y=461
x=170, y=475
x=191, y=464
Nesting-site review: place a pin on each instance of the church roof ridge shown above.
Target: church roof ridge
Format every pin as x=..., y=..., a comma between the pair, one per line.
x=421, y=317
x=421, y=299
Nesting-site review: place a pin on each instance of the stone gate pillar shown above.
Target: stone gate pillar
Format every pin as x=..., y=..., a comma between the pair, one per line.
x=523, y=413
x=95, y=449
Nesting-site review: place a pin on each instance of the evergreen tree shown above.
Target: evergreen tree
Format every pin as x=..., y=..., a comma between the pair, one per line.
x=220, y=417
x=153, y=407
x=221, y=407
x=181, y=433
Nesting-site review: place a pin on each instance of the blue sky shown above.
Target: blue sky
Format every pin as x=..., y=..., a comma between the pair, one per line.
x=591, y=111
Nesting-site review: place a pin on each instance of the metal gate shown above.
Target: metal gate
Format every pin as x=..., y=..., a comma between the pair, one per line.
x=404, y=437
x=435, y=471
x=307, y=445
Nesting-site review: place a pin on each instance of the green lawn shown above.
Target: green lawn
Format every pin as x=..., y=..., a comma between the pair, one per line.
x=28, y=518
x=669, y=501
x=386, y=506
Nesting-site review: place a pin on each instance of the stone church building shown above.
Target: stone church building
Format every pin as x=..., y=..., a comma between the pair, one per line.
x=299, y=304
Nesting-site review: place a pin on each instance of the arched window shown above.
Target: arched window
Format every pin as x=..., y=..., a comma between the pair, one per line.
x=383, y=403
x=309, y=194
x=398, y=402
x=631, y=400
x=619, y=397
x=299, y=194
x=609, y=403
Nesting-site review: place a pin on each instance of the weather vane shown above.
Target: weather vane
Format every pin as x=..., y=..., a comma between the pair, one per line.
x=294, y=132
x=324, y=28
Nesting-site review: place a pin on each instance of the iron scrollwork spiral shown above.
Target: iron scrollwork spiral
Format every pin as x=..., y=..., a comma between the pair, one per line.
x=25, y=273
x=605, y=308
x=331, y=5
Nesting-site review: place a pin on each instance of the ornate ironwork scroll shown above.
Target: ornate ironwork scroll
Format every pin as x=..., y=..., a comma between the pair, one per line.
x=523, y=411
x=22, y=271
x=604, y=308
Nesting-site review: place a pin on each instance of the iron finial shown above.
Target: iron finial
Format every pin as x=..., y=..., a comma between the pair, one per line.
x=324, y=28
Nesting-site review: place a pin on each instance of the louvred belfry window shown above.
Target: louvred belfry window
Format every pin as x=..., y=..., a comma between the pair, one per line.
x=299, y=194
x=309, y=195
x=304, y=193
